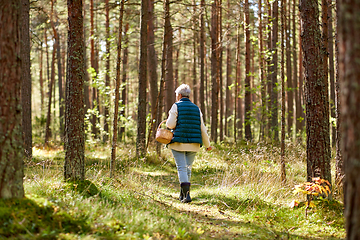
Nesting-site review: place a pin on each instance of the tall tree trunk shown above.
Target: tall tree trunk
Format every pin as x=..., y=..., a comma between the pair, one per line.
x=11, y=146
x=274, y=92
x=41, y=79
x=261, y=72
x=269, y=68
x=169, y=78
x=214, y=71
x=331, y=73
x=297, y=89
x=238, y=132
x=141, y=121
x=107, y=71
x=94, y=102
x=247, y=75
x=339, y=166
x=152, y=62
x=316, y=94
x=60, y=86
x=52, y=82
x=117, y=97
x=349, y=65
x=202, y=60
x=86, y=79
x=124, y=81
x=282, y=142
x=74, y=166
x=228, y=93
x=195, y=56
x=26, y=79
x=221, y=85
x=290, y=93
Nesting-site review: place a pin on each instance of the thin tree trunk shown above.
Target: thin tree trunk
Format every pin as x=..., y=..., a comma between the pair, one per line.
x=11, y=146
x=228, y=109
x=141, y=121
x=74, y=166
x=274, y=92
x=202, y=60
x=60, y=84
x=169, y=78
x=94, y=101
x=124, y=81
x=86, y=79
x=238, y=103
x=41, y=80
x=297, y=89
x=339, y=166
x=221, y=85
x=26, y=79
x=214, y=71
x=262, y=78
x=269, y=68
x=247, y=121
x=282, y=143
x=52, y=82
x=195, y=56
x=152, y=62
x=117, y=97
x=331, y=73
x=107, y=71
x=290, y=93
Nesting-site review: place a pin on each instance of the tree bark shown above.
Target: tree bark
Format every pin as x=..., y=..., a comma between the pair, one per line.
x=169, y=76
x=228, y=93
x=107, y=72
x=316, y=94
x=214, y=71
x=339, y=166
x=48, y=133
x=141, y=121
x=11, y=140
x=349, y=65
x=74, y=166
x=247, y=121
x=289, y=80
x=124, y=82
x=117, y=97
x=282, y=142
x=273, y=69
x=152, y=62
x=261, y=73
x=26, y=79
x=331, y=73
x=202, y=60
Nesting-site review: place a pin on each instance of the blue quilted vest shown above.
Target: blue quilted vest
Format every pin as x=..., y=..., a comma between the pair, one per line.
x=188, y=125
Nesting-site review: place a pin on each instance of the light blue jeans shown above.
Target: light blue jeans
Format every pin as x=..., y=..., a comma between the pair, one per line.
x=184, y=161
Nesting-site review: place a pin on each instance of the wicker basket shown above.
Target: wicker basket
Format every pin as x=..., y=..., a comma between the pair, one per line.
x=163, y=135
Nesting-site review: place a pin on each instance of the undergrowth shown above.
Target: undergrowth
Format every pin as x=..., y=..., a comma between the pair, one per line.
x=236, y=193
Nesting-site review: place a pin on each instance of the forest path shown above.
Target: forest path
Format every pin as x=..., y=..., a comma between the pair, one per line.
x=210, y=215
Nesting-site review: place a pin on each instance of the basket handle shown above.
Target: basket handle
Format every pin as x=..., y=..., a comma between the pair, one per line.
x=161, y=123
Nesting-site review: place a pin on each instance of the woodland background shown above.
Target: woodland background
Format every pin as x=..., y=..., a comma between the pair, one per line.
x=100, y=73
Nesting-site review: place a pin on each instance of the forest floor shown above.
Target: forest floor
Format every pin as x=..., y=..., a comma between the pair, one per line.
x=236, y=194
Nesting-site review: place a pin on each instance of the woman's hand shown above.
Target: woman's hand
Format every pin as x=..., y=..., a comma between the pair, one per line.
x=209, y=148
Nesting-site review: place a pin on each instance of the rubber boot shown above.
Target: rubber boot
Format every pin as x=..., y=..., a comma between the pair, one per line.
x=181, y=197
x=185, y=188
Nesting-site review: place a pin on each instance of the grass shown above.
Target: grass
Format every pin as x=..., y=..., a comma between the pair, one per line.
x=236, y=194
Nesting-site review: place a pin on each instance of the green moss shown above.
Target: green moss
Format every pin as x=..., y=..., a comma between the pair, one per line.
x=27, y=217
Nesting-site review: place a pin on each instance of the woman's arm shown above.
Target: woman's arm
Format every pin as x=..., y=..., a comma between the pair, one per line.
x=172, y=119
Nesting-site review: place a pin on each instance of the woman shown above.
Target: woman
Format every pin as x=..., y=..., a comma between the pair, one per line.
x=185, y=118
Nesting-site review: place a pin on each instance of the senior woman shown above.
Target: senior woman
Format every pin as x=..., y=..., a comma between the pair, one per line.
x=185, y=118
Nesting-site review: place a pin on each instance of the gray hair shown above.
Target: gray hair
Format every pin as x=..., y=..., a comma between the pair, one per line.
x=184, y=90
